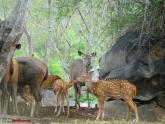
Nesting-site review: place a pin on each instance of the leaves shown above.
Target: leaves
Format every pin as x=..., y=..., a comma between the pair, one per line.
x=88, y=25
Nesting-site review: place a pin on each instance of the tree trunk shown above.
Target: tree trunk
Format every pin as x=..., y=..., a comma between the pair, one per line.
x=11, y=30
x=90, y=27
x=48, y=45
x=29, y=39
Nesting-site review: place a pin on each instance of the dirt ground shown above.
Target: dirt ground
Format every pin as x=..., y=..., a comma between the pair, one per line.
x=82, y=116
x=46, y=115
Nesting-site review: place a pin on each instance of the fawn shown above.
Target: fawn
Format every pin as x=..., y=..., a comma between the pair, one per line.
x=115, y=89
x=48, y=83
x=60, y=88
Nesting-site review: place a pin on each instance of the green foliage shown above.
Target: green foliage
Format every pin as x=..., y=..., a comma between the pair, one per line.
x=76, y=24
x=92, y=98
x=65, y=8
x=6, y=7
x=55, y=68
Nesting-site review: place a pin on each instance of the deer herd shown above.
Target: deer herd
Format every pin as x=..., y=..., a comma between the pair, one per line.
x=80, y=74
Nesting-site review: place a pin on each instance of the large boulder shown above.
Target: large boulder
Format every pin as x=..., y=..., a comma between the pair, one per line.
x=147, y=112
x=140, y=60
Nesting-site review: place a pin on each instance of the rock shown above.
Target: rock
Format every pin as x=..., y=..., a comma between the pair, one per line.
x=148, y=112
x=115, y=109
x=48, y=98
x=144, y=68
x=160, y=100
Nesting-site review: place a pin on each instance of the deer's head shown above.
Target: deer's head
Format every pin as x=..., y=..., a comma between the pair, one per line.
x=86, y=58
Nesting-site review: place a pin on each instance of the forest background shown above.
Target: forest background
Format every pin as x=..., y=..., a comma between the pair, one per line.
x=56, y=29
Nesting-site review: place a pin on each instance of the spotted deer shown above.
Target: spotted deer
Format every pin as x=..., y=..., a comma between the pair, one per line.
x=48, y=83
x=60, y=88
x=115, y=89
x=29, y=98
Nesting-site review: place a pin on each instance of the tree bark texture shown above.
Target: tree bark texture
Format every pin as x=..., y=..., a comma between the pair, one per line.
x=11, y=30
x=29, y=40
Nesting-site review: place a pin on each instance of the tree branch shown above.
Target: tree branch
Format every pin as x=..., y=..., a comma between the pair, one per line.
x=17, y=23
x=29, y=39
x=83, y=20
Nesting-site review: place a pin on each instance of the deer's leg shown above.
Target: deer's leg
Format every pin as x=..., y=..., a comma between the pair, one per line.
x=75, y=90
x=133, y=107
x=63, y=101
x=103, y=112
x=101, y=108
x=56, y=105
x=36, y=92
x=135, y=110
x=78, y=101
x=59, y=111
x=98, y=115
x=77, y=94
x=129, y=107
x=30, y=100
x=128, y=112
x=67, y=99
x=63, y=108
x=33, y=106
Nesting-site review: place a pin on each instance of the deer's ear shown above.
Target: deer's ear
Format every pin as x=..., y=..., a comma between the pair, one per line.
x=80, y=53
x=93, y=54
